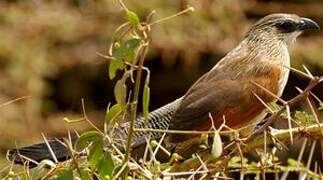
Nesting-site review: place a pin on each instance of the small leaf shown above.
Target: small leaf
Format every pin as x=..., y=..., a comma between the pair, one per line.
x=292, y=162
x=175, y=157
x=106, y=166
x=113, y=112
x=153, y=144
x=114, y=66
x=120, y=90
x=321, y=107
x=133, y=18
x=126, y=51
x=130, y=56
x=217, y=145
x=86, y=138
x=85, y=174
x=96, y=153
x=146, y=98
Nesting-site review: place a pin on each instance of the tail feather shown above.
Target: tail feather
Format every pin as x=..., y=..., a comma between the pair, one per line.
x=38, y=152
x=158, y=119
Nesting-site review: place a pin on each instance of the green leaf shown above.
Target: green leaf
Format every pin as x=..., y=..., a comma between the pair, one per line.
x=126, y=51
x=65, y=174
x=120, y=90
x=114, y=66
x=175, y=157
x=217, y=145
x=96, y=153
x=133, y=18
x=321, y=107
x=113, y=112
x=87, y=138
x=106, y=166
x=85, y=174
x=146, y=98
x=292, y=162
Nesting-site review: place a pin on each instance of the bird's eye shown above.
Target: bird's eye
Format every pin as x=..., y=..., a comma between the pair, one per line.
x=286, y=27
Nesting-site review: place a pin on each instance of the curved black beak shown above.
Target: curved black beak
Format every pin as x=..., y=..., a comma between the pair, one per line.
x=306, y=23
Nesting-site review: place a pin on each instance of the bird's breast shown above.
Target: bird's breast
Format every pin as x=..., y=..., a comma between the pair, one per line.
x=285, y=68
x=272, y=71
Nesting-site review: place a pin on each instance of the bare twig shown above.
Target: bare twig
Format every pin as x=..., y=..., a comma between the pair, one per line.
x=308, y=72
x=304, y=174
x=133, y=114
x=289, y=120
x=159, y=146
x=314, y=113
x=123, y=5
x=263, y=103
x=269, y=92
x=300, y=155
x=13, y=101
x=316, y=98
x=188, y=9
x=168, y=131
x=88, y=120
x=299, y=72
x=50, y=149
x=283, y=135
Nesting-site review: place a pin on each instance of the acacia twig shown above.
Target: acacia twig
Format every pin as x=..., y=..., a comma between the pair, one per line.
x=134, y=104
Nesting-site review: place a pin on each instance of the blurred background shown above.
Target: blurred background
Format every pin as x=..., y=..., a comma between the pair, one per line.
x=48, y=55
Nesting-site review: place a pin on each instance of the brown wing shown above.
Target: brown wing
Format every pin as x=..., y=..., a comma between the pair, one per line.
x=223, y=97
x=218, y=94
x=206, y=97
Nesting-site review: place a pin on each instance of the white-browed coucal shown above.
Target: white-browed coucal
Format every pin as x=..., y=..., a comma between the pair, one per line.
x=227, y=91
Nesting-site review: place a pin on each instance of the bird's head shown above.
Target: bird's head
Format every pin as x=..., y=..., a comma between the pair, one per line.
x=282, y=27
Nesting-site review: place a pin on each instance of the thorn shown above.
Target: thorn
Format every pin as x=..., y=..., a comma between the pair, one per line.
x=300, y=155
x=269, y=92
x=263, y=102
x=299, y=72
x=308, y=72
x=289, y=119
x=50, y=149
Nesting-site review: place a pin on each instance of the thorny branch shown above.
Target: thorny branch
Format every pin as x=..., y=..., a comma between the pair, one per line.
x=303, y=95
x=255, y=140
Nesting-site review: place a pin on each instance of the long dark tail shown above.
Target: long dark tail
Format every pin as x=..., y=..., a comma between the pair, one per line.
x=158, y=119
x=38, y=152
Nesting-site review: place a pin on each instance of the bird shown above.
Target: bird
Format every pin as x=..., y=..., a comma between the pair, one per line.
x=235, y=89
